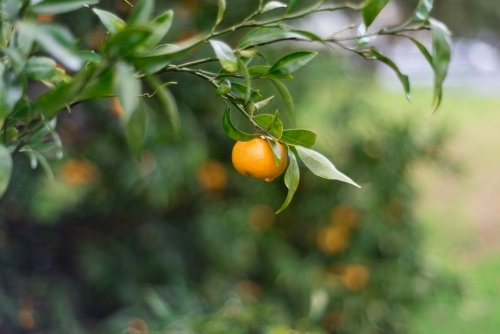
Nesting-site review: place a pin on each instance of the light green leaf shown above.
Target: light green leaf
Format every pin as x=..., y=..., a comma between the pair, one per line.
x=59, y=7
x=405, y=81
x=224, y=88
x=231, y=130
x=160, y=27
x=264, y=35
x=371, y=9
x=441, y=52
x=287, y=99
x=276, y=151
x=128, y=89
x=273, y=5
x=113, y=23
x=292, y=62
x=220, y=12
x=225, y=55
x=16, y=58
x=300, y=137
x=41, y=68
x=142, y=12
x=11, y=91
x=422, y=49
x=263, y=103
x=167, y=100
x=246, y=76
x=127, y=40
x=45, y=165
x=5, y=169
x=136, y=130
x=292, y=177
x=59, y=43
x=270, y=123
x=422, y=11
x=5, y=25
x=321, y=166
x=250, y=53
x=291, y=6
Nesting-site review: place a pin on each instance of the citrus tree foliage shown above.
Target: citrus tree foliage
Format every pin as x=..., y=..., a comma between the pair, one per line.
x=132, y=56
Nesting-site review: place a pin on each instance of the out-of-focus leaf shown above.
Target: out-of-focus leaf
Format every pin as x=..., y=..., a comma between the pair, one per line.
x=422, y=49
x=270, y=123
x=113, y=23
x=292, y=177
x=402, y=77
x=263, y=103
x=225, y=55
x=128, y=89
x=300, y=137
x=371, y=9
x=321, y=166
x=276, y=151
x=422, y=11
x=287, y=99
x=291, y=6
x=103, y=86
x=11, y=91
x=127, y=40
x=273, y=5
x=220, y=12
x=250, y=53
x=5, y=169
x=5, y=25
x=267, y=34
x=224, y=88
x=292, y=62
x=142, y=12
x=16, y=58
x=90, y=56
x=61, y=6
x=231, y=130
x=10, y=136
x=441, y=52
x=25, y=37
x=136, y=130
x=160, y=27
x=239, y=91
x=59, y=43
x=45, y=165
x=41, y=68
x=167, y=100
x=364, y=40
x=246, y=76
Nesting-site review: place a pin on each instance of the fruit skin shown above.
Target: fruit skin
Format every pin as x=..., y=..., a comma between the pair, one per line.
x=255, y=158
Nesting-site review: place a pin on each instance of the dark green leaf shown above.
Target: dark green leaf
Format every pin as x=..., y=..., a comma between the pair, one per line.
x=142, y=12
x=11, y=135
x=224, y=88
x=5, y=169
x=103, y=86
x=371, y=9
x=59, y=7
x=160, y=27
x=402, y=77
x=276, y=151
x=441, y=51
x=113, y=23
x=267, y=34
x=300, y=137
x=273, y=5
x=136, y=130
x=167, y=100
x=292, y=62
x=422, y=49
x=128, y=89
x=287, y=99
x=127, y=40
x=291, y=6
x=270, y=123
x=11, y=91
x=90, y=56
x=239, y=91
x=225, y=55
x=321, y=166
x=262, y=71
x=292, y=177
x=231, y=130
x=246, y=76
x=220, y=12
x=59, y=42
x=422, y=11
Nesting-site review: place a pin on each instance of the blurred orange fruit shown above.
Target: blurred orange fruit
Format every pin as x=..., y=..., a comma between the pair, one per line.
x=343, y=215
x=78, y=172
x=116, y=107
x=248, y=290
x=255, y=158
x=45, y=18
x=355, y=277
x=333, y=240
x=137, y=326
x=26, y=319
x=261, y=217
x=212, y=176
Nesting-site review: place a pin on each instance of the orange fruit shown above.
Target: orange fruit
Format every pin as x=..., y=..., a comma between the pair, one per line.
x=255, y=158
x=45, y=18
x=78, y=172
x=355, y=277
x=212, y=176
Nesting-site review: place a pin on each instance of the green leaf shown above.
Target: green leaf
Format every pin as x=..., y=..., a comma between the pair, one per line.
x=220, y=12
x=127, y=40
x=270, y=123
x=276, y=151
x=5, y=169
x=59, y=43
x=160, y=27
x=250, y=53
x=402, y=77
x=422, y=11
x=5, y=26
x=262, y=35
x=11, y=91
x=321, y=166
x=231, y=130
x=11, y=135
x=224, y=88
x=273, y=5
x=300, y=137
x=25, y=37
x=262, y=71
x=291, y=6
x=371, y=9
x=441, y=51
x=287, y=99
x=246, y=76
x=239, y=91
x=167, y=100
x=45, y=165
x=157, y=59
x=136, y=130
x=90, y=56
x=142, y=12
x=41, y=68
x=292, y=177
x=263, y=103
x=103, y=86
x=128, y=89
x=59, y=7
x=225, y=55
x=113, y=23
x=422, y=49
x=292, y=62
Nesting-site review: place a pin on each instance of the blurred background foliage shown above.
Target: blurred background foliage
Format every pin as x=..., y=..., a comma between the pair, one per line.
x=180, y=243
